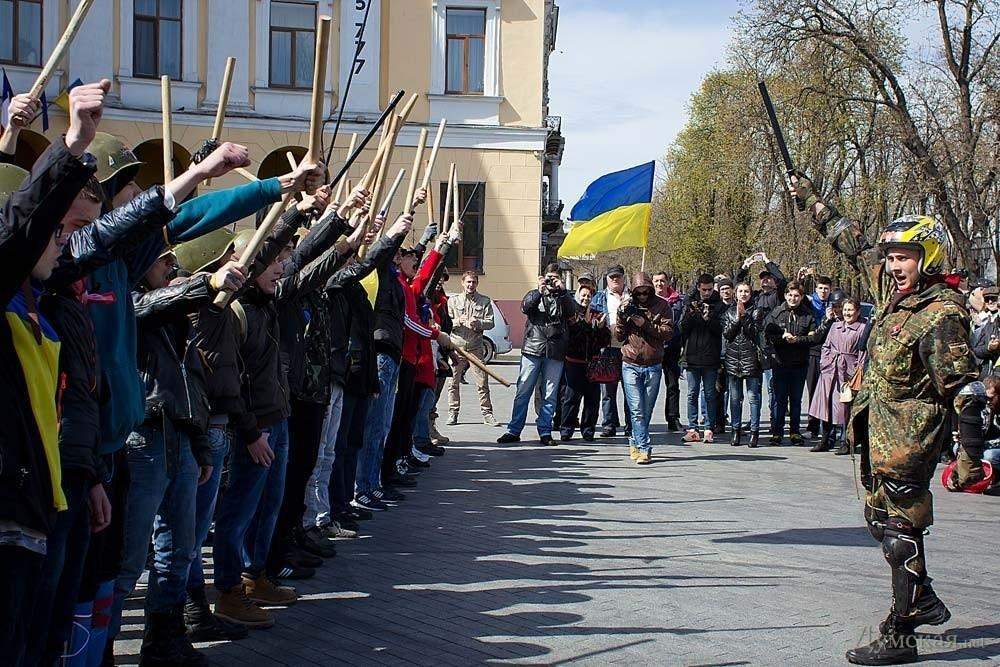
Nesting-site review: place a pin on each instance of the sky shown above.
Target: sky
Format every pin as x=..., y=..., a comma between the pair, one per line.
x=621, y=76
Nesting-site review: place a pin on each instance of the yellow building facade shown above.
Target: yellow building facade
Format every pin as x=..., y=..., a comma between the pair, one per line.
x=479, y=64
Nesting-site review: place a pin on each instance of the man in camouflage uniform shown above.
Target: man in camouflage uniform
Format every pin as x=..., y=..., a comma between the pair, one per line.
x=471, y=314
x=919, y=361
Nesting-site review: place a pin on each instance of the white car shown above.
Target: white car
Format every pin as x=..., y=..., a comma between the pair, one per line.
x=496, y=340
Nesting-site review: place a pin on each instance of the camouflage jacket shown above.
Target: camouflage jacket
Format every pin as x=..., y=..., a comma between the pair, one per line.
x=918, y=362
x=479, y=309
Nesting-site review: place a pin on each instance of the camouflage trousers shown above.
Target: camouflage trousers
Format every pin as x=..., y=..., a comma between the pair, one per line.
x=461, y=365
x=916, y=509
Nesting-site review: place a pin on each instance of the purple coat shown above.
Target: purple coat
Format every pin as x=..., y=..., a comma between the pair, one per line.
x=839, y=359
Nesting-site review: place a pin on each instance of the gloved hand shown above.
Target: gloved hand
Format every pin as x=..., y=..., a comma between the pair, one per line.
x=207, y=148
x=967, y=471
x=429, y=233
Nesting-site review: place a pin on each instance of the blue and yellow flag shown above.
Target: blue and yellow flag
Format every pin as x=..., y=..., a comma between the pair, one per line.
x=613, y=213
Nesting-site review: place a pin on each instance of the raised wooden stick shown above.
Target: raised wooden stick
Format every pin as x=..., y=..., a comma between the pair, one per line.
x=8, y=140
x=447, y=201
x=407, y=108
x=430, y=204
x=415, y=174
x=434, y=154
x=455, y=219
x=220, y=111
x=315, y=153
x=474, y=360
x=339, y=196
x=250, y=253
x=383, y=210
x=291, y=160
x=245, y=174
x=168, y=134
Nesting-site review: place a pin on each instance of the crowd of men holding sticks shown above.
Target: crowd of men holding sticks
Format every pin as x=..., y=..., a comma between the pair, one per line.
x=165, y=373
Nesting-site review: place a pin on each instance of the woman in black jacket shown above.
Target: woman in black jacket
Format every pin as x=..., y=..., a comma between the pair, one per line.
x=741, y=326
x=789, y=332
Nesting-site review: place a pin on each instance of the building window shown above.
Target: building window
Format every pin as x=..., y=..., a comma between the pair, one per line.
x=293, y=44
x=21, y=32
x=157, y=39
x=468, y=254
x=465, y=59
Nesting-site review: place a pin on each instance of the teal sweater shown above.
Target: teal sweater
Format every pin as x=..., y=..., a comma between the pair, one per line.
x=114, y=323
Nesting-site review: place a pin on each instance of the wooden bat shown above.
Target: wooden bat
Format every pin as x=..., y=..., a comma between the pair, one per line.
x=434, y=153
x=220, y=111
x=168, y=134
x=8, y=140
x=315, y=153
x=474, y=360
x=415, y=174
x=250, y=253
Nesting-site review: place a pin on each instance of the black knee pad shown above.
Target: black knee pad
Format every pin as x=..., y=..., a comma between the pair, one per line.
x=876, y=517
x=903, y=546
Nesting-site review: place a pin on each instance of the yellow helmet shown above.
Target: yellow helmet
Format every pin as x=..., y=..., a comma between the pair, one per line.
x=921, y=233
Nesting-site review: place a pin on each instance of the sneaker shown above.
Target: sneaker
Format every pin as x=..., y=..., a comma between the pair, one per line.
x=508, y=437
x=403, y=481
x=300, y=558
x=293, y=570
x=607, y=432
x=355, y=514
x=314, y=542
x=565, y=437
x=796, y=439
x=335, y=531
x=413, y=462
x=633, y=452
x=432, y=449
x=691, y=436
x=453, y=419
x=263, y=590
x=490, y=421
x=709, y=436
x=589, y=437
x=774, y=440
x=366, y=502
x=346, y=522
x=417, y=454
x=546, y=440
x=388, y=495
x=644, y=458
x=235, y=606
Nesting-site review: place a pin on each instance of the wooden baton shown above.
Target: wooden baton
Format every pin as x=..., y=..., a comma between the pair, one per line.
x=474, y=360
x=415, y=174
x=315, y=154
x=220, y=111
x=168, y=133
x=434, y=153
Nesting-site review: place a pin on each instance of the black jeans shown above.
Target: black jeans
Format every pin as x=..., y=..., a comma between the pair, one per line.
x=400, y=439
x=788, y=386
x=350, y=438
x=577, y=388
x=305, y=426
x=672, y=380
x=20, y=581
x=609, y=395
x=59, y=585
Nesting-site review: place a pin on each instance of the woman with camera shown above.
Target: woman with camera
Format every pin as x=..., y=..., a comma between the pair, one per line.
x=643, y=325
x=741, y=325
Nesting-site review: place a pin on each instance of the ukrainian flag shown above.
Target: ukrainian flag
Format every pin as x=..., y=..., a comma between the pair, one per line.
x=613, y=213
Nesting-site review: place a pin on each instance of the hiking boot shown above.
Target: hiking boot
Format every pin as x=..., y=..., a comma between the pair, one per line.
x=633, y=452
x=490, y=421
x=644, y=457
x=234, y=606
x=436, y=437
x=890, y=648
x=507, y=438
x=453, y=419
x=202, y=625
x=927, y=610
x=263, y=590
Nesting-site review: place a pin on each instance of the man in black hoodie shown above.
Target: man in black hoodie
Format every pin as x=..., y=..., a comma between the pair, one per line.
x=701, y=325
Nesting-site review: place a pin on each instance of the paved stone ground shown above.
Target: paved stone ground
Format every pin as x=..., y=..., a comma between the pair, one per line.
x=711, y=556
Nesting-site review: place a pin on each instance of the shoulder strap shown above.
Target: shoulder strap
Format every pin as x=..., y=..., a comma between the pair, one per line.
x=241, y=317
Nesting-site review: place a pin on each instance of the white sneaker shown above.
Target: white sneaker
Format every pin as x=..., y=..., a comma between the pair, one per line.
x=419, y=455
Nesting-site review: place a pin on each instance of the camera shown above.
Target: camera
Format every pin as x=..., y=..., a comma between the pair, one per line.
x=633, y=309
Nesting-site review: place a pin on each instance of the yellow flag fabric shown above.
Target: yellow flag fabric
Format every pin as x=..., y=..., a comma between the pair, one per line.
x=624, y=227
x=370, y=283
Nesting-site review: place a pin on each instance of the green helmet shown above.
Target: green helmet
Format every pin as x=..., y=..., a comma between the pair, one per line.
x=242, y=240
x=201, y=253
x=11, y=178
x=112, y=157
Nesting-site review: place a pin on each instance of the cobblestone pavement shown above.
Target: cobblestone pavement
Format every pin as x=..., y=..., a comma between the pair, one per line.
x=713, y=555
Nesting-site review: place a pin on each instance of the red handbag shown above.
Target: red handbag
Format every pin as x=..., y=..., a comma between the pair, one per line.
x=604, y=369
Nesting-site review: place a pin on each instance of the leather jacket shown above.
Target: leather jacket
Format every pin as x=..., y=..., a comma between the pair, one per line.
x=547, y=332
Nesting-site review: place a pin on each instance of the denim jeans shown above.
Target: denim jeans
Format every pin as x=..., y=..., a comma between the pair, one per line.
x=769, y=383
x=422, y=423
x=753, y=386
x=163, y=506
x=641, y=385
x=249, y=507
x=220, y=440
x=318, y=487
x=533, y=370
x=377, y=426
x=697, y=379
x=789, y=384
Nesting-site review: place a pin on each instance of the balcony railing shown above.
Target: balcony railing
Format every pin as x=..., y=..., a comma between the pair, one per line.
x=552, y=210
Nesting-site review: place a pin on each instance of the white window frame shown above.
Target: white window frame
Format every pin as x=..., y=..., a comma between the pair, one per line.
x=439, y=44
x=145, y=93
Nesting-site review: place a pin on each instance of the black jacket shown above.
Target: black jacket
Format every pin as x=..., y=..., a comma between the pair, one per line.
x=742, y=334
x=29, y=219
x=547, y=332
x=352, y=362
x=170, y=364
x=770, y=301
x=702, y=338
x=979, y=341
x=390, y=306
x=799, y=322
x=586, y=339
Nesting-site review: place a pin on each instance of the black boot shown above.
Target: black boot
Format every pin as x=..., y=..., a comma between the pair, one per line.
x=165, y=643
x=754, y=440
x=204, y=626
x=737, y=432
x=894, y=646
x=928, y=609
x=844, y=447
x=825, y=444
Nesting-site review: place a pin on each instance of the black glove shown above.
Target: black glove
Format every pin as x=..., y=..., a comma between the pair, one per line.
x=429, y=233
x=207, y=148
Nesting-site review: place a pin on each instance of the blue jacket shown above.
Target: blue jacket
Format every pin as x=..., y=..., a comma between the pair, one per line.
x=114, y=323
